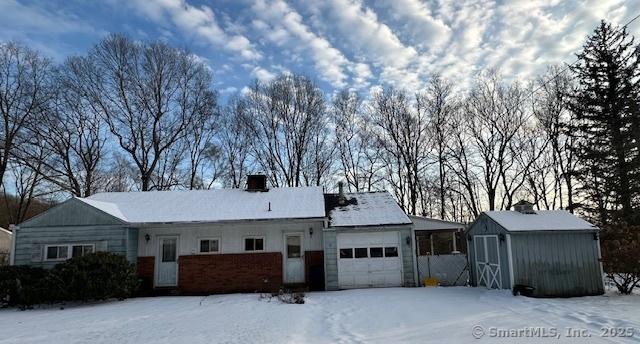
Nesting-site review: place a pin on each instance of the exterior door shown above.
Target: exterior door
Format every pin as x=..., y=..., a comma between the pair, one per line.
x=167, y=262
x=487, y=261
x=294, y=258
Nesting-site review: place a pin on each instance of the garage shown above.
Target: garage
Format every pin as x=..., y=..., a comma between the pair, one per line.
x=369, y=260
x=368, y=242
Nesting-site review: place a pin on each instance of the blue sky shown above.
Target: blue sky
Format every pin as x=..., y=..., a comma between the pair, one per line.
x=339, y=43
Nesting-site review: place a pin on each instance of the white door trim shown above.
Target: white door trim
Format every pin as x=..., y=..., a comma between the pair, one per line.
x=158, y=257
x=285, y=278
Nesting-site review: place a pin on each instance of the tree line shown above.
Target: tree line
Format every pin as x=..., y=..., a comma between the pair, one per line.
x=140, y=116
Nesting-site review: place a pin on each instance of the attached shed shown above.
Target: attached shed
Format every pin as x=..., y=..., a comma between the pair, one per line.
x=553, y=251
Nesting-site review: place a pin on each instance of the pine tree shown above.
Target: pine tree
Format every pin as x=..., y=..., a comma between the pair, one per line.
x=607, y=123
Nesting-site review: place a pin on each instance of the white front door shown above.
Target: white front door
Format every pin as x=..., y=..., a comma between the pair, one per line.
x=487, y=261
x=167, y=261
x=369, y=260
x=294, y=258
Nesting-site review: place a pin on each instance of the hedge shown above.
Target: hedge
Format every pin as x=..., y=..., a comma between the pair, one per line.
x=96, y=276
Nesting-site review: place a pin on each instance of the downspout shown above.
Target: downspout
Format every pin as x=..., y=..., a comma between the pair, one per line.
x=510, y=258
x=416, y=278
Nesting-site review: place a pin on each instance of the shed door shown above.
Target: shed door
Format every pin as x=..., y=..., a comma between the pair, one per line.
x=369, y=260
x=487, y=261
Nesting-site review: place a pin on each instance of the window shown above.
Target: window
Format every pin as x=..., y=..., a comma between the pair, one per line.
x=57, y=252
x=361, y=252
x=375, y=252
x=293, y=247
x=209, y=245
x=66, y=251
x=169, y=250
x=346, y=253
x=81, y=250
x=390, y=251
x=254, y=244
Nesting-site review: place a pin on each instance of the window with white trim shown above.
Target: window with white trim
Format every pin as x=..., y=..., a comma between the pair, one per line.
x=60, y=252
x=209, y=246
x=254, y=244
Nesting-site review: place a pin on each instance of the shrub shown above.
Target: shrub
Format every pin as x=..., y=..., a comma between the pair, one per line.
x=620, y=247
x=96, y=276
x=24, y=286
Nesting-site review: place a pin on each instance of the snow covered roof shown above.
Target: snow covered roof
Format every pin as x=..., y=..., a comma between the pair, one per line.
x=210, y=205
x=421, y=223
x=542, y=220
x=365, y=209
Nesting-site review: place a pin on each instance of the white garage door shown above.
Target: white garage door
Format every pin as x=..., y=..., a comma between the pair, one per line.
x=369, y=260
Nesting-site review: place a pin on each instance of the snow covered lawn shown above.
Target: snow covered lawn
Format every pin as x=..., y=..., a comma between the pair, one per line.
x=398, y=315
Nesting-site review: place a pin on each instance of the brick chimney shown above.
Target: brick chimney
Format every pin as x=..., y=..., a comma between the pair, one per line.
x=257, y=182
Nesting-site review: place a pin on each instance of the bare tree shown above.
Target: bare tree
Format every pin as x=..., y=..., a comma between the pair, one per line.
x=235, y=142
x=402, y=130
x=73, y=134
x=148, y=94
x=199, y=143
x=24, y=92
x=285, y=117
x=551, y=109
x=440, y=106
x=359, y=157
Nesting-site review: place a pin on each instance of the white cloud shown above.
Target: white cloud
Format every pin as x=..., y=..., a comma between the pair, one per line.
x=262, y=74
x=199, y=22
x=285, y=27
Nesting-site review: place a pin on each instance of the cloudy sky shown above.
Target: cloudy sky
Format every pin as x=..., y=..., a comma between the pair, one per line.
x=339, y=43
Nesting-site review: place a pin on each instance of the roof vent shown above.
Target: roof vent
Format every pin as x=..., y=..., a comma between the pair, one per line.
x=524, y=207
x=342, y=199
x=257, y=182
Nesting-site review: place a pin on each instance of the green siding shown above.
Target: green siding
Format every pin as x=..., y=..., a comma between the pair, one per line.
x=72, y=213
x=330, y=259
x=72, y=222
x=31, y=241
x=558, y=263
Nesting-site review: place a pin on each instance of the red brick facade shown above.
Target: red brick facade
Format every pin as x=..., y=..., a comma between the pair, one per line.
x=226, y=273
x=145, y=271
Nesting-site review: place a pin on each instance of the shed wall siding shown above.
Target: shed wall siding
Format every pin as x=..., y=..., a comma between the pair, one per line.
x=557, y=263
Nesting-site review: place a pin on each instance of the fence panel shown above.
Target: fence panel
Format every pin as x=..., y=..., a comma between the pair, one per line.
x=449, y=269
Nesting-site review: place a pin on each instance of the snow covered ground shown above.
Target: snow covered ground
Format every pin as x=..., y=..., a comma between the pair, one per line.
x=398, y=315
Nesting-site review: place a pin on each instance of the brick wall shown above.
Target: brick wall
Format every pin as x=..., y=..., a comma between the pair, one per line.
x=145, y=268
x=225, y=273
x=314, y=269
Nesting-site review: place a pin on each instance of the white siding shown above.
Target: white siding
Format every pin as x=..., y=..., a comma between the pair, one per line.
x=232, y=235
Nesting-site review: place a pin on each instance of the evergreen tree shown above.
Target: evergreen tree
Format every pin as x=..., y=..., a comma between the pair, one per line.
x=607, y=123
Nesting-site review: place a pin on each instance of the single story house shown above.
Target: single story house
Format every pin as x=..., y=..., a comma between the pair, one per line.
x=232, y=240
x=552, y=251
x=5, y=245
